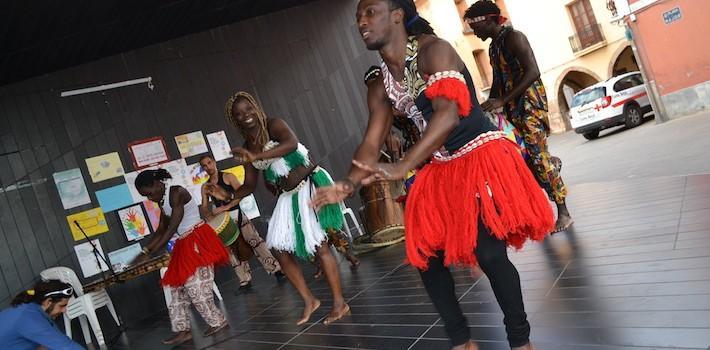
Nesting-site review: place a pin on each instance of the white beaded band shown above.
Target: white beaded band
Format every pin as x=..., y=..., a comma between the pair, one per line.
x=303, y=182
x=479, y=141
x=476, y=19
x=443, y=75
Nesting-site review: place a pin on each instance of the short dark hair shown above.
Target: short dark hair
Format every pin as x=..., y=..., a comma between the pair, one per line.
x=482, y=8
x=39, y=292
x=147, y=177
x=205, y=156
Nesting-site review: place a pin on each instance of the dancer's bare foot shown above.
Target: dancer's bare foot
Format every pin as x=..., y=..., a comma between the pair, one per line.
x=354, y=261
x=337, y=313
x=469, y=345
x=244, y=287
x=527, y=346
x=178, y=338
x=319, y=273
x=564, y=219
x=213, y=330
x=310, y=307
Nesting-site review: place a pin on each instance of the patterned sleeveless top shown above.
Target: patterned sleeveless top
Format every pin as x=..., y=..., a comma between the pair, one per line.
x=229, y=189
x=507, y=71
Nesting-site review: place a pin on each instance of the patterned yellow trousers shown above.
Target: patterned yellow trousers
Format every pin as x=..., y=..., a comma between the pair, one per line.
x=534, y=130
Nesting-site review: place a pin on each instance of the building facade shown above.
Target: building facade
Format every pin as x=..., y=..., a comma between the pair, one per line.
x=575, y=43
x=670, y=38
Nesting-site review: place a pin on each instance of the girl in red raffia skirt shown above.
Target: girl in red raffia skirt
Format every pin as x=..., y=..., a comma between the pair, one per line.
x=196, y=251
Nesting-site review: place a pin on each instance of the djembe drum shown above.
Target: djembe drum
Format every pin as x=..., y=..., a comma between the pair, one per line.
x=228, y=232
x=382, y=214
x=225, y=228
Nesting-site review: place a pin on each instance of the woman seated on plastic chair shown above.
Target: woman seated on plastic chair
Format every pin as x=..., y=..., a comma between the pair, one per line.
x=29, y=324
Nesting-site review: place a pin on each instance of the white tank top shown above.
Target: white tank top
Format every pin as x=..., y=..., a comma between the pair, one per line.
x=190, y=218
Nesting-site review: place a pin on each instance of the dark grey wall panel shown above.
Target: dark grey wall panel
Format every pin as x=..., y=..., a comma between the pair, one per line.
x=305, y=65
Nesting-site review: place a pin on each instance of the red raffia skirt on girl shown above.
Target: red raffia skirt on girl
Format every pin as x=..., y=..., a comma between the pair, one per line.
x=486, y=179
x=201, y=247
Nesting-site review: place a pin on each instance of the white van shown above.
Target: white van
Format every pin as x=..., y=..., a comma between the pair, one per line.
x=621, y=100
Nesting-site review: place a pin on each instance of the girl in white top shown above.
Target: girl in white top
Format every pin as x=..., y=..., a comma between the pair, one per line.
x=197, y=249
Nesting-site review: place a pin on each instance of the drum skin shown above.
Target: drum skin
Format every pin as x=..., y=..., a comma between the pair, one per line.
x=225, y=228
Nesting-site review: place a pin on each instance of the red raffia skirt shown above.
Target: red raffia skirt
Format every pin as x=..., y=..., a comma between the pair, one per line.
x=491, y=181
x=201, y=247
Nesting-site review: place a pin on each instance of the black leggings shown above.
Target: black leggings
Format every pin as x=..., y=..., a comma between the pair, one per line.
x=505, y=281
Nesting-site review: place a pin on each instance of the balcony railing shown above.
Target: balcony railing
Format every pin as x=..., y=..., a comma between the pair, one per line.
x=588, y=37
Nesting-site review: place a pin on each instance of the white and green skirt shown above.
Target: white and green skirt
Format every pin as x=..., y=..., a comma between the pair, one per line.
x=294, y=226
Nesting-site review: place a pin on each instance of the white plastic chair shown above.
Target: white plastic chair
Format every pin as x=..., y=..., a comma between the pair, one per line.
x=168, y=297
x=83, y=306
x=349, y=212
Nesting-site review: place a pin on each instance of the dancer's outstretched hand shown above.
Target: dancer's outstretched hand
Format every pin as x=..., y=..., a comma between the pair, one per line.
x=243, y=155
x=332, y=194
x=381, y=171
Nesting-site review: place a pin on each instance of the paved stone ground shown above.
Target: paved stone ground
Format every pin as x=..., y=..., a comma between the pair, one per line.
x=678, y=147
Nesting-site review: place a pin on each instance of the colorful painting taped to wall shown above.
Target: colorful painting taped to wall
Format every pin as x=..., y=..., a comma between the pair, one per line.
x=134, y=222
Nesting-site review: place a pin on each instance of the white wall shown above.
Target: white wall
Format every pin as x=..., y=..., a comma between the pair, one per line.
x=547, y=25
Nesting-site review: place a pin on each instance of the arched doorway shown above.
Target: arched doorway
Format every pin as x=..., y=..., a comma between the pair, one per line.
x=570, y=82
x=625, y=62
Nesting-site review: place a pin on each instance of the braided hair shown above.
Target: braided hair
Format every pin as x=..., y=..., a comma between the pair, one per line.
x=146, y=177
x=414, y=24
x=262, y=136
x=39, y=293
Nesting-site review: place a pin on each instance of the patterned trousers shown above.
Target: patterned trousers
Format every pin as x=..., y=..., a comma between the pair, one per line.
x=198, y=291
x=534, y=131
x=251, y=236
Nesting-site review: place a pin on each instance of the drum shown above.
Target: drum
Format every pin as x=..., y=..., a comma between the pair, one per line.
x=225, y=227
x=382, y=214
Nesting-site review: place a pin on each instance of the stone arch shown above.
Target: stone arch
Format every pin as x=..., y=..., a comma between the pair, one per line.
x=572, y=80
x=622, y=61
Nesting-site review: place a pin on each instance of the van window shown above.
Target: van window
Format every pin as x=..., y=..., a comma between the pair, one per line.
x=628, y=82
x=637, y=79
x=588, y=95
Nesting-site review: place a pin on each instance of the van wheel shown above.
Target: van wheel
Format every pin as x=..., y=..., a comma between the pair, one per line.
x=591, y=135
x=633, y=116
